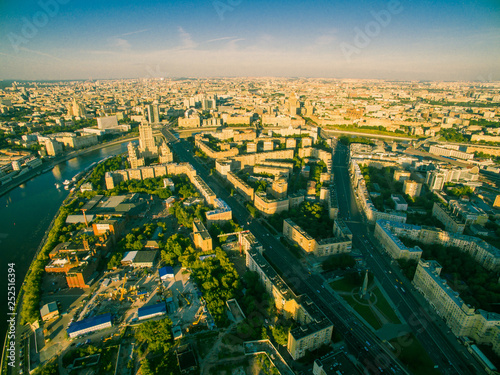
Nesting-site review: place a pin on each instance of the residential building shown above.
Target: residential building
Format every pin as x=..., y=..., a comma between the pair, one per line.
x=221, y=214
x=49, y=311
x=201, y=238
x=320, y=247
x=268, y=206
x=451, y=221
x=483, y=253
x=315, y=328
x=401, y=175
x=393, y=245
x=399, y=202
x=241, y=186
x=463, y=320
x=412, y=188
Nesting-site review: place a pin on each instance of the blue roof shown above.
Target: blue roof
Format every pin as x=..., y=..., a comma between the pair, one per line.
x=88, y=323
x=152, y=309
x=167, y=270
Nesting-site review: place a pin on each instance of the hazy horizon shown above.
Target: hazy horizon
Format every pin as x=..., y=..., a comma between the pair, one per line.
x=387, y=40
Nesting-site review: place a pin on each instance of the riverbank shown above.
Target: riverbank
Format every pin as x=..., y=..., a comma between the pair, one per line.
x=47, y=166
x=25, y=270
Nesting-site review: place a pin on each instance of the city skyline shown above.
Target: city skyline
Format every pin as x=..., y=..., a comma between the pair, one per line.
x=60, y=39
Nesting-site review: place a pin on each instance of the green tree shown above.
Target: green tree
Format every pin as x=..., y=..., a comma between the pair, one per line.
x=280, y=334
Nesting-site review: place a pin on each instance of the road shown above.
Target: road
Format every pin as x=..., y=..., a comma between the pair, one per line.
x=442, y=346
x=357, y=336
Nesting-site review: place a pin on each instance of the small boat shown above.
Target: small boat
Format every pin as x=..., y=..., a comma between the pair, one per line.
x=58, y=185
x=67, y=182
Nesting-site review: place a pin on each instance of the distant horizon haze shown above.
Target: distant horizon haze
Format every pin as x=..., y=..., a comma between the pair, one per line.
x=389, y=40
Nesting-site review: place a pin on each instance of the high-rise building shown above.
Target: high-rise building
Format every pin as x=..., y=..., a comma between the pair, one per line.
x=107, y=122
x=166, y=155
x=435, y=180
x=147, y=144
x=76, y=109
x=133, y=157
x=53, y=147
x=412, y=188
x=152, y=113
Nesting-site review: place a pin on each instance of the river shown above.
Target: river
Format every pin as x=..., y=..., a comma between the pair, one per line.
x=26, y=213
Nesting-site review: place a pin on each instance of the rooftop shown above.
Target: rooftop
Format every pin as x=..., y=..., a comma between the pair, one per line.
x=89, y=323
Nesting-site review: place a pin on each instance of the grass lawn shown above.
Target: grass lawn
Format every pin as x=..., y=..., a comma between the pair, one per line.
x=346, y=285
x=385, y=308
x=343, y=285
x=364, y=311
x=413, y=355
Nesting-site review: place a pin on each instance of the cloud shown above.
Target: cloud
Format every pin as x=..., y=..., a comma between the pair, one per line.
x=186, y=41
x=232, y=43
x=134, y=32
x=120, y=43
x=219, y=39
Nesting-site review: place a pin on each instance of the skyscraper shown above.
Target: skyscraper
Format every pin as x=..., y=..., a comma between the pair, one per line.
x=153, y=113
x=147, y=144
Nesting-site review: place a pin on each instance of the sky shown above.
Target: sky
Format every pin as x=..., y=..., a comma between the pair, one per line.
x=396, y=39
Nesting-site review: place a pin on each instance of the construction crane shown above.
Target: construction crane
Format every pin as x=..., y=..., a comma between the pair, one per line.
x=240, y=236
x=122, y=289
x=198, y=316
x=183, y=296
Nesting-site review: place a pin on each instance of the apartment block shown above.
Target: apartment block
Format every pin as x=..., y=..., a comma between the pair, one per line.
x=333, y=204
x=315, y=329
x=372, y=214
x=463, y=320
x=340, y=229
x=220, y=214
x=451, y=221
x=482, y=252
x=308, y=152
x=201, y=237
x=279, y=188
x=251, y=147
x=412, y=188
x=393, y=245
x=223, y=167
x=259, y=158
x=241, y=186
x=213, y=154
x=204, y=189
x=447, y=152
x=270, y=206
x=269, y=169
x=401, y=175
x=323, y=247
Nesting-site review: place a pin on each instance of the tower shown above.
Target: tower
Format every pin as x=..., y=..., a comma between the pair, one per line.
x=147, y=144
x=364, y=290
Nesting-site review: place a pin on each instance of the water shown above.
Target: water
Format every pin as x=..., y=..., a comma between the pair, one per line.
x=26, y=213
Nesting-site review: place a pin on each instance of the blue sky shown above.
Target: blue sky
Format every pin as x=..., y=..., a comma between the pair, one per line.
x=73, y=39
